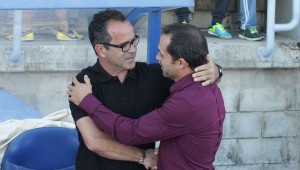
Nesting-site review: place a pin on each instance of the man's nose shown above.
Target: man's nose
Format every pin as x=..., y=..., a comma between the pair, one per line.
x=157, y=57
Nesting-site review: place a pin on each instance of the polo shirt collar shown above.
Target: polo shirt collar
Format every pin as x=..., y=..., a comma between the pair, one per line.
x=104, y=76
x=182, y=83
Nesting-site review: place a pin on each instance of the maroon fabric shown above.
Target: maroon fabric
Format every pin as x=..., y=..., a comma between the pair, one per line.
x=189, y=125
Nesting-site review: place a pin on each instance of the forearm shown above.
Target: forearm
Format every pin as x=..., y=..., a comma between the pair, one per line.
x=114, y=150
x=125, y=130
x=103, y=145
x=134, y=131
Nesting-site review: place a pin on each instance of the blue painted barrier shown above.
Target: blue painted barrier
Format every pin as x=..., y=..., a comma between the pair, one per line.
x=13, y=108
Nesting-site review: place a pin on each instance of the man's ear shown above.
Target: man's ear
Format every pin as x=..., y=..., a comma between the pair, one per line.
x=99, y=50
x=182, y=63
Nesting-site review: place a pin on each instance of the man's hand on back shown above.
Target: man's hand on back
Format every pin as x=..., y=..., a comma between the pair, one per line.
x=78, y=90
x=207, y=73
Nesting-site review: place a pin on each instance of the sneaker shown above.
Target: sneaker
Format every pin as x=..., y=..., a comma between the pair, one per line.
x=219, y=31
x=250, y=34
x=27, y=36
x=184, y=21
x=68, y=36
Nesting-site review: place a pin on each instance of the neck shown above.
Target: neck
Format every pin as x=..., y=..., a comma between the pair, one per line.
x=182, y=73
x=113, y=71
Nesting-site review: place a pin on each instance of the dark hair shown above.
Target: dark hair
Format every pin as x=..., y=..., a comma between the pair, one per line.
x=187, y=42
x=98, y=27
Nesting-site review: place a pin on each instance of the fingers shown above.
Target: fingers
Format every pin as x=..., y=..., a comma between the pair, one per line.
x=77, y=91
x=205, y=66
x=156, y=151
x=208, y=58
x=70, y=86
x=154, y=168
x=208, y=82
x=201, y=68
x=74, y=80
x=87, y=80
x=206, y=73
x=202, y=76
x=206, y=79
x=69, y=92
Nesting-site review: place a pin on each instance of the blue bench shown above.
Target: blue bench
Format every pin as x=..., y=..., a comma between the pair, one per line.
x=152, y=8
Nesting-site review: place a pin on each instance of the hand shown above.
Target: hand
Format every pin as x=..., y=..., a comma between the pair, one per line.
x=156, y=151
x=150, y=161
x=208, y=73
x=79, y=90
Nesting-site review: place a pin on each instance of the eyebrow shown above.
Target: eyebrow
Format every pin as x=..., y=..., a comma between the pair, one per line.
x=127, y=41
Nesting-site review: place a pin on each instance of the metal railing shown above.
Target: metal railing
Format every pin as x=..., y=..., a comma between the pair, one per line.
x=266, y=53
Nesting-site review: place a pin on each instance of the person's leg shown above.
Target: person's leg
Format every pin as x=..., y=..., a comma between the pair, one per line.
x=220, y=10
x=65, y=33
x=248, y=29
x=183, y=15
x=248, y=14
x=216, y=28
x=27, y=20
x=62, y=17
x=27, y=32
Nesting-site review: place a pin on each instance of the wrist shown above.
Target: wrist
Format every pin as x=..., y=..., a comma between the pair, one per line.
x=142, y=160
x=220, y=71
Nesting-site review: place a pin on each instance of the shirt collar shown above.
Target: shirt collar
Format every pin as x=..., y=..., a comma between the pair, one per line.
x=182, y=83
x=104, y=76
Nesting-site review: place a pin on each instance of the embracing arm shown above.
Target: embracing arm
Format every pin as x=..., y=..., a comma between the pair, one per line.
x=163, y=123
x=169, y=120
x=103, y=145
x=131, y=131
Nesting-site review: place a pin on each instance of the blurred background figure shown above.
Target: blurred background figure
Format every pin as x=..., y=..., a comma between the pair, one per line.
x=183, y=15
x=215, y=28
x=65, y=33
x=248, y=29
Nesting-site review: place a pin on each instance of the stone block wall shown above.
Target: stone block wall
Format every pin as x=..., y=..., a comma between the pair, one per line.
x=261, y=128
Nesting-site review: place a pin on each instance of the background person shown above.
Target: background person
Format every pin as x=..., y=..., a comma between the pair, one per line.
x=64, y=32
x=248, y=29
x=216, y=27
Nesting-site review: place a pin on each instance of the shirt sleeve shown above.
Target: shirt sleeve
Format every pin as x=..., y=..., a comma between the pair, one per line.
x=76, y=112
x=166, y=122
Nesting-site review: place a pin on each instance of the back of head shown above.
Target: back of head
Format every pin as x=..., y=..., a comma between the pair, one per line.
x=187, y=42
x=98, y=26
